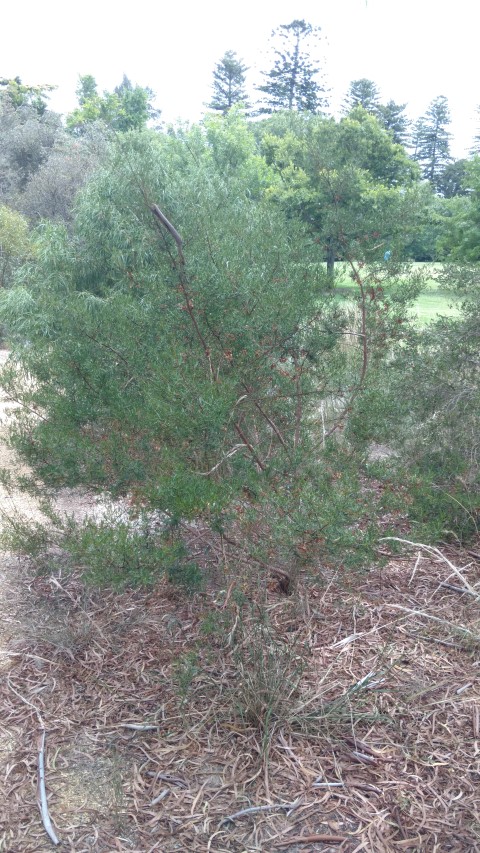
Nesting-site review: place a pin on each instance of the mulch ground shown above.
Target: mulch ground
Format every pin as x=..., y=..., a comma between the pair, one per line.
x=342, y=717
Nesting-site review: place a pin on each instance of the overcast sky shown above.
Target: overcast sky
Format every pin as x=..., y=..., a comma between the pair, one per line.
x=414, y=50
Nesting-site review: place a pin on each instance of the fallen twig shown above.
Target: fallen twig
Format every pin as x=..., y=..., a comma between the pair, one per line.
x=41, y=790
x=42, y=793
x=435, y=552
x=309, y=839
x=285, y=807
x=422, y=613
x=460, y=589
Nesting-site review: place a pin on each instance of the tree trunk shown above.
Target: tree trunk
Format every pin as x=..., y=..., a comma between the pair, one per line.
x=330, y=258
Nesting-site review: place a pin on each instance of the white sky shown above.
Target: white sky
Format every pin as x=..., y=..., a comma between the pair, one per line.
x=414, y=50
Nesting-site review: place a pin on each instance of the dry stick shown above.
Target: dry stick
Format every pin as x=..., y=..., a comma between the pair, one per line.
x=42, y=793
x=435, y=619
x=435, y=552
x=41, y=790
x=264, y=415
x=286, y=807
x=230, y=453
x=309, y=839
x=244, y=438
x=459, y=589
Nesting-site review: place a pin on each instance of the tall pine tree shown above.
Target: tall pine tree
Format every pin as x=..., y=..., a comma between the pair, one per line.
x=475, y=149
x=432, y=141
x=228, y=82
x=392, y=117
x=293, y=83
x=362, y=93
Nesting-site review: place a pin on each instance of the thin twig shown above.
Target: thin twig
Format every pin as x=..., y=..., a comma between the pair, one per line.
x=284, y=807
x=436, y=619
x=230, y=453
x=41, y=790
x=460, y=589
x=310, y=839
x=435, y=552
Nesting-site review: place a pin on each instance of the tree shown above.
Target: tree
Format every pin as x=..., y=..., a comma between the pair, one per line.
x=432, y=140
x=181, y=352
x=392, y=117
x=26, y=139
x=362, y=93
x=19, y=94
x=347, y=179
x=292, y=83
x=228, y=83
x=461, y=240
x=15, y=244
x=128, y=107
x=50, y=192
x=453, y=180
x=475, y=148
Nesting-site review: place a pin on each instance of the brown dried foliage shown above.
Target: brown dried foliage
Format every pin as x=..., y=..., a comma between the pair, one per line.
x=392, y=765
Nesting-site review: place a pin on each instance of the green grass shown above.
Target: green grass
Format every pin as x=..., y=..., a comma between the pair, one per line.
x=432, y=302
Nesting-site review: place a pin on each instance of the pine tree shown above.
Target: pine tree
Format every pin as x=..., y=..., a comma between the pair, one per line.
x=475, y=149
x=432, y=140
x=292, y=83
x=228, y=82
x=392, y=117
x=362, y=93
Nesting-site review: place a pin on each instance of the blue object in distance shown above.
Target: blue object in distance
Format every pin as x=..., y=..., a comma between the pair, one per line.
x=387, y=255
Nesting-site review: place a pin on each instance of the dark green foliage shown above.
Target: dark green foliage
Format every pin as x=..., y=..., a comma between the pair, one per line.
x=362, y=93
x=392, y=117
x=461, y=240
x=475, y=148
x=228, y=83
x=426, y=406
x=453, y=180
x=160, y=382
x=111, y=553
x=292, y=83
x=190, y=374
x=432, y=141
x=348, y=180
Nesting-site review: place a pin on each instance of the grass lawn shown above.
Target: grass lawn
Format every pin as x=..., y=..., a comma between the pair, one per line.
x=433, y=301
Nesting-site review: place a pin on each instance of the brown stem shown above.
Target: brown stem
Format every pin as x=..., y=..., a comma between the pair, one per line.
x=298, y=403
x=264, y=415
x=244, y=438
x=183, y=281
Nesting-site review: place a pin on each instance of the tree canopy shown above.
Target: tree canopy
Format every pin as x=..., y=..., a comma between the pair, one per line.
x=228, y=83
x=293, y=81
x=128, y=107
x=432, y=140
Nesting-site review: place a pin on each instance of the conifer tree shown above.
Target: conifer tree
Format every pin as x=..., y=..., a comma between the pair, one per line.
x=392, y=117
x=362, y=93
x=475, y=149
x=432, y=140
x=292, y=83
x=228, y=82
